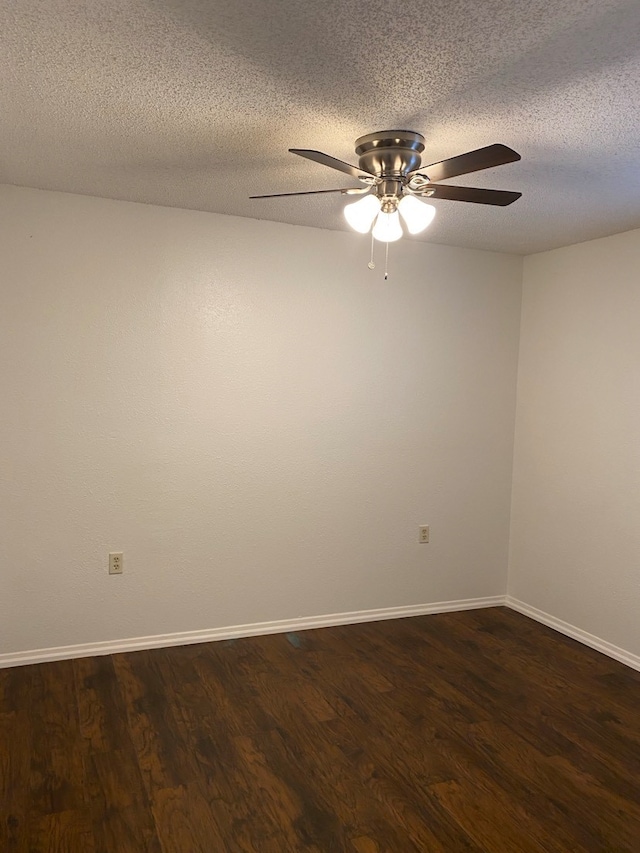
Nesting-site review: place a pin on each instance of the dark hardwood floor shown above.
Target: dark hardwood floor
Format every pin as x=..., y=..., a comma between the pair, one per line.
x=474, y=731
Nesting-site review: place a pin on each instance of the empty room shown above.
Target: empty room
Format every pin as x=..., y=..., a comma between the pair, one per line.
x=319, y=426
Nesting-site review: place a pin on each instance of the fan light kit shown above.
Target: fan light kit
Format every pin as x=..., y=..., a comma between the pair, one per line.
x=394, y=181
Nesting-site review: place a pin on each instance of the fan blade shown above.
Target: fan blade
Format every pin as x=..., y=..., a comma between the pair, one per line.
x=472, y=161
x=479, y=196
x=346, y=191
x=326, y=160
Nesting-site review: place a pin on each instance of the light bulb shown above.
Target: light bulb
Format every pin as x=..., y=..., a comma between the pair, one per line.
x=416, y=214
x=387, y=227
x=361, y=213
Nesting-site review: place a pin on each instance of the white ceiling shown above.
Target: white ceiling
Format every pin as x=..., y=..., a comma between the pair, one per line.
x=194, y=103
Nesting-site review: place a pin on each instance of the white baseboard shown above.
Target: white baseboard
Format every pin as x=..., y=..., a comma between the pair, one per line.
x=575, y=633
x=185, y=638
x=283, y=626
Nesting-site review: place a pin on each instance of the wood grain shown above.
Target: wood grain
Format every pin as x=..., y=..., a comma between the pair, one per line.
x=480, y=731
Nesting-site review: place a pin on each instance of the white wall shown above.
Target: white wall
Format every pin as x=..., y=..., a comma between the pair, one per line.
x=253, y=417
x=575, y=541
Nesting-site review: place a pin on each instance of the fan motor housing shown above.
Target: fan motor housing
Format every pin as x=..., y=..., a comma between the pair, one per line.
x=390, y=152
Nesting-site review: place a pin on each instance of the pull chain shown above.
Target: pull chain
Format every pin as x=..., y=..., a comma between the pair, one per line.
x=371, y=263
x=386, y=262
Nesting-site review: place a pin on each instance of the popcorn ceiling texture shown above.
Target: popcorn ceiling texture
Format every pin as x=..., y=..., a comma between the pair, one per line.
x=193, y=104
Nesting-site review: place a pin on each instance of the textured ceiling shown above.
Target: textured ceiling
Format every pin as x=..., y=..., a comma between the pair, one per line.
x=194, y=103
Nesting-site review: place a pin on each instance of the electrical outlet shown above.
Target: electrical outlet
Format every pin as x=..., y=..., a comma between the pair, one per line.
x=423, y=535
x=116, y=564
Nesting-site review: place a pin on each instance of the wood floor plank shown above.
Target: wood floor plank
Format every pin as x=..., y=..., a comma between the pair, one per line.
x=101, y=709
x=613, y=736
x=62, y=832
x=209, y=730
x=125, y=830
x=15, y=771
x=531, y=776
x=334, y=783
x=118, y=803
x=401, y=784
x=185, y=822
x=481, y=816
x=550, y=717
x=163, y=760
x=471, y=732
x=16, y=688
x=57, y=772
x=608, y=711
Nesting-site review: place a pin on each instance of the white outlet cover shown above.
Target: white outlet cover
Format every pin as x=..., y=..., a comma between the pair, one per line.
x=116, y=563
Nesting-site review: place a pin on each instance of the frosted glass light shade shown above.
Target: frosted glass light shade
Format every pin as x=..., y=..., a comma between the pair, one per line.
x=416, y=214
x=387, y=227
x=361, y=213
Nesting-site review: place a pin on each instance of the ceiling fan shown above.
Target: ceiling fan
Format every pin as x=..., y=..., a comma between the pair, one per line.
x=394, y=180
